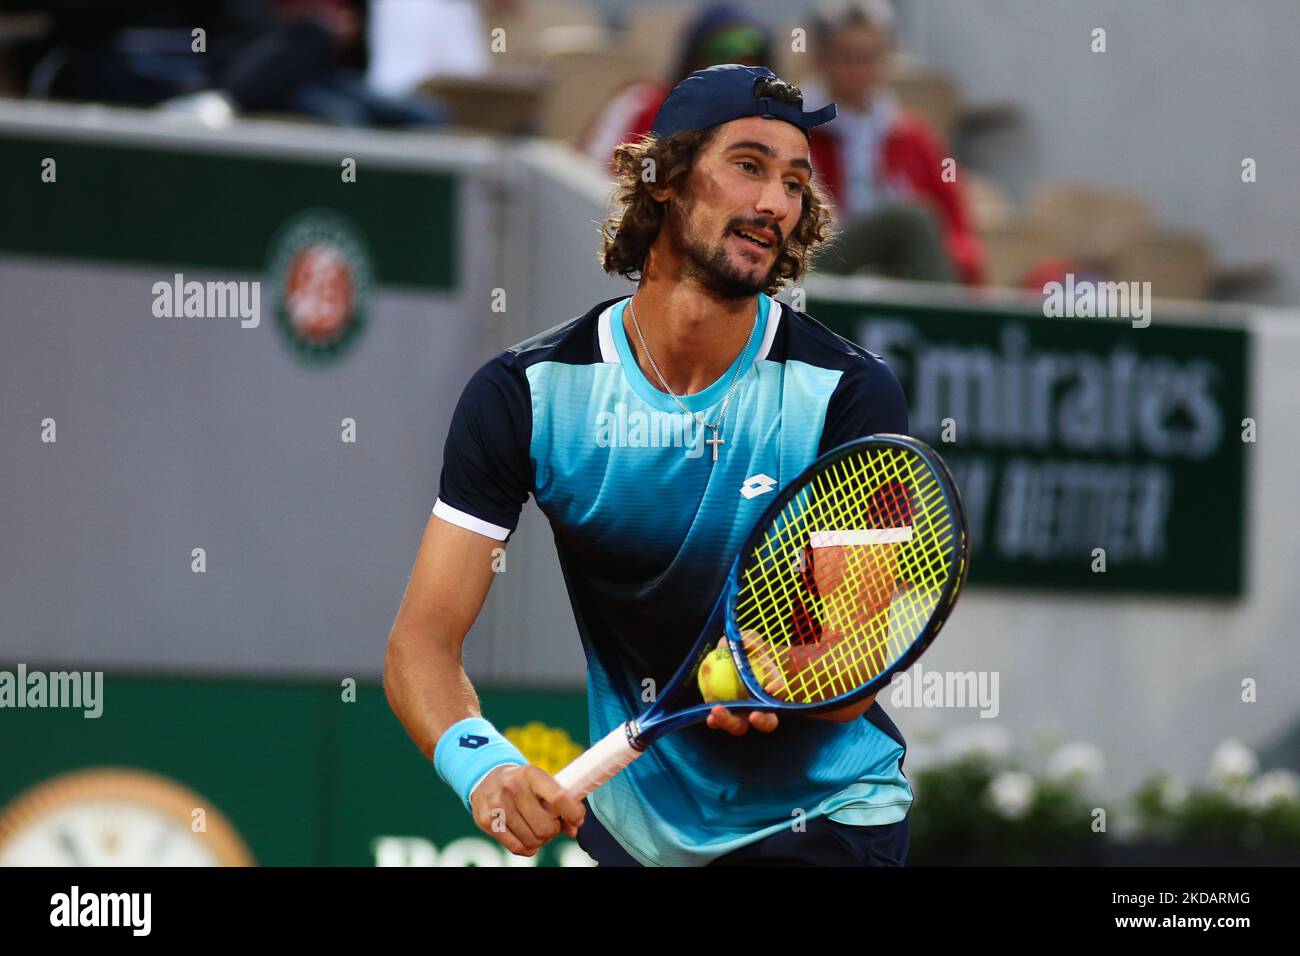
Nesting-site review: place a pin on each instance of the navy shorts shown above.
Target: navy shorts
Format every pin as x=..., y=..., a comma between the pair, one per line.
x=823, y=842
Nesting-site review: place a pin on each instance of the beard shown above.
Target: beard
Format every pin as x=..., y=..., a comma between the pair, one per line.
x=710, y=266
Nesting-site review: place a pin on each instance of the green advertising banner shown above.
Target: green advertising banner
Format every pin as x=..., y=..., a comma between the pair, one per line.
x=293, y=774
x=1091, y=455
x=215, y=210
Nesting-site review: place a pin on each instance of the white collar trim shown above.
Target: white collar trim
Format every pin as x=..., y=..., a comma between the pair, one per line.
x=605, y=334
x=608, y=353
x=769, y=334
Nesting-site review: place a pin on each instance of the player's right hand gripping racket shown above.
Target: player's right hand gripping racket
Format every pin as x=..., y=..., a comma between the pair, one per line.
x=845, y=580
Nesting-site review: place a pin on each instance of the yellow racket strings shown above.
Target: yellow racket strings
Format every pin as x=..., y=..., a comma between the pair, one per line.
x=859, y=557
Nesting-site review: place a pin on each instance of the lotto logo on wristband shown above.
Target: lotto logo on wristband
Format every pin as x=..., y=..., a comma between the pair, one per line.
x=472, y=741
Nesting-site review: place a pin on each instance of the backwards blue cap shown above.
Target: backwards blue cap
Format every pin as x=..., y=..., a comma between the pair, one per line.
x=724, y=93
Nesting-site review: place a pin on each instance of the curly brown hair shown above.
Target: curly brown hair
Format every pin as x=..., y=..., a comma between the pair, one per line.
x=634, y=224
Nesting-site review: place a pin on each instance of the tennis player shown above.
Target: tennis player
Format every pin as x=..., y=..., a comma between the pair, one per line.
x=650, y=431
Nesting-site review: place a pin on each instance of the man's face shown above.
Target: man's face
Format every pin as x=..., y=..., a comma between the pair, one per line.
x=853, y=65
x=742, y=200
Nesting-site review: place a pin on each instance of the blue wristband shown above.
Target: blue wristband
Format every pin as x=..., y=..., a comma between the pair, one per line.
x=469, y=751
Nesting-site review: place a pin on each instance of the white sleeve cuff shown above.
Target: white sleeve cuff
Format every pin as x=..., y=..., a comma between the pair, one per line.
x=467, y=521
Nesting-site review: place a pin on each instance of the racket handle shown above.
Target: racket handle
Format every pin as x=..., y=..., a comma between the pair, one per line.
x=606, y=757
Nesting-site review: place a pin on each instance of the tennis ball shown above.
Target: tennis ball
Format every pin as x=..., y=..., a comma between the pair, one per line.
x=718, y=678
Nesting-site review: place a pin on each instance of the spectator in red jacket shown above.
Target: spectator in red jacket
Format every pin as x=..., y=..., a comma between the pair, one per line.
x=882, y=165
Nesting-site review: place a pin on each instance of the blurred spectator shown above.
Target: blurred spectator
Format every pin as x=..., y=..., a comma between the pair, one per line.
x=722, y=33
x=882, y=165
x=343, y=96
x=143, y=53
x=140, y=52
x=412, y=41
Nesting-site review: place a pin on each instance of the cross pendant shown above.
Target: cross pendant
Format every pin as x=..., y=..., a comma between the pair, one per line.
x=715, y=441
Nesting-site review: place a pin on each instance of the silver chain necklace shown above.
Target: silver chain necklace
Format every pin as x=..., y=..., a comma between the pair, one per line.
x=716, y=440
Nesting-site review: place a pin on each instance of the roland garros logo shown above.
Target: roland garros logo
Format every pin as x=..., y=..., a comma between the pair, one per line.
x=320, y=275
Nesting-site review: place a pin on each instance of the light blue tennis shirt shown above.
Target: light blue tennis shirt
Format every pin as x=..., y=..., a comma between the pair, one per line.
x=646, y=526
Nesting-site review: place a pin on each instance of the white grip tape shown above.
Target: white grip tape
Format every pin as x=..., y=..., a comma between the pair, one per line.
x=606, y=757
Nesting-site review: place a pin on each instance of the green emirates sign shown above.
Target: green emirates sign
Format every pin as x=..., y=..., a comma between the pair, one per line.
x=1091, y=455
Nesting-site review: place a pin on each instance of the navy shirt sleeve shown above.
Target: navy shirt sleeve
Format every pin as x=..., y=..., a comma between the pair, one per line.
x=867, y=401
x=486, y=466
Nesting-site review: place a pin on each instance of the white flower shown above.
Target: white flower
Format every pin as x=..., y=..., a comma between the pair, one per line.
x=1237, y=792
x=1173, y=793
x=1276, y=786
x=1011, y=793
x=1124, y=827
x=1046, y=738
x=1232, y=761
x=977, y=740
x=1078, y=762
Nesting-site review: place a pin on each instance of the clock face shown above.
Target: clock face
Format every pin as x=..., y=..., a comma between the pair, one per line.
x=116, y=818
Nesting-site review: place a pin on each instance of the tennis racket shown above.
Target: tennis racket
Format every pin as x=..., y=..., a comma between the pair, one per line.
x=845, y=580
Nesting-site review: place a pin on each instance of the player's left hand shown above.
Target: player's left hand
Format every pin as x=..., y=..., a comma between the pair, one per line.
x=739, y=723
x=722, y=719
x=777, y=670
